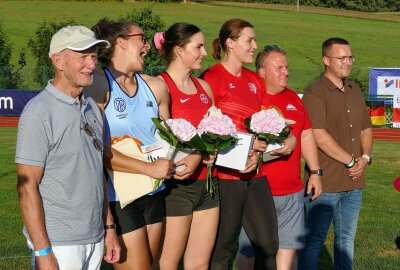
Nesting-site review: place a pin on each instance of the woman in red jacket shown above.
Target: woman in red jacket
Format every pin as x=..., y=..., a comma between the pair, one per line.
x=245, y=197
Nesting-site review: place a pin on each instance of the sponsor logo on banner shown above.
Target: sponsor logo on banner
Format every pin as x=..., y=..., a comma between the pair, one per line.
x=388, y=85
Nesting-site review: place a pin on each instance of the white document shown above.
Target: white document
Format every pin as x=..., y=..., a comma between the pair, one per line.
x=271, y=147
x=235, y=156
x=169, y=152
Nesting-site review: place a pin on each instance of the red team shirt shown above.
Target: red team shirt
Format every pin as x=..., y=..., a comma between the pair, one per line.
x=192, y=108
x=238, y=98
x=284, y=173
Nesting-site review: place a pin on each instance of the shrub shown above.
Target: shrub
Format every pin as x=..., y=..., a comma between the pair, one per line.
x=150, y=23
x=10, y=76
x=40, y=47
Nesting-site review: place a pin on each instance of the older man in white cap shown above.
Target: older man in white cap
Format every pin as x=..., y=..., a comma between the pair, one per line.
x=59, y=163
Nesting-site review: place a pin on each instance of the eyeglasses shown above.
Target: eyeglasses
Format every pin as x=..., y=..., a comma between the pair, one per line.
x=98, y=144
x=343, y=58
x=144, y=39
x=270, y=48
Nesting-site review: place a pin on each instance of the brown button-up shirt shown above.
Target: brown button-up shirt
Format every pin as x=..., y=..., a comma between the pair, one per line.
x=343, y=114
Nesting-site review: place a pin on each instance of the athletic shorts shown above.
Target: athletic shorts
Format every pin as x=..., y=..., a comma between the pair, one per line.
x=182, y=198
x=146, y=210
x=291, y=230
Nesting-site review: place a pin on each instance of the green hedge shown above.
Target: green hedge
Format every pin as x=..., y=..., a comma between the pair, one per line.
x=357, y=5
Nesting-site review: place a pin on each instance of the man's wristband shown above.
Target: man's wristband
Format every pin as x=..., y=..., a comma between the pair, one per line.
x=368, y=158
x=351, y=164
x=43, y=252
x=110, y=226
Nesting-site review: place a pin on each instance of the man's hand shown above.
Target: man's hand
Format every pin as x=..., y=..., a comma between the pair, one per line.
x=359, y=168
x=190, y=162
x=252, y=162
x=113, y=248
x=288, y=147
x=161, y=169
x=314, y=183
x=48, y=262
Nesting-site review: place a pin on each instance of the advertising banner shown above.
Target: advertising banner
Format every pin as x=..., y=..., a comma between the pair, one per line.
x=12, y=102
x=384, y=81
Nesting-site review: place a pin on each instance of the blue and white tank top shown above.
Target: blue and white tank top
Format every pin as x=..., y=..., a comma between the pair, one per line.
x=131, y=116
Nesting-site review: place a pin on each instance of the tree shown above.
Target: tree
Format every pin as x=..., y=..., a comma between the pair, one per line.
x=10, y=76
x=150, y=23
x=40, y=47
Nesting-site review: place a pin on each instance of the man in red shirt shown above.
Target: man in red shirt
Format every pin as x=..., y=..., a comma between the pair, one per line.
x=284, y=174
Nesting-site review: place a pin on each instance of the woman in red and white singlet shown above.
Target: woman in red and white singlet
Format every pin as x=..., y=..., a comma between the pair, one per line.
x=192, y=214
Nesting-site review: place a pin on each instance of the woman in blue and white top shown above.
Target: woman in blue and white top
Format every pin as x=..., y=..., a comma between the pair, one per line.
x=129, y=101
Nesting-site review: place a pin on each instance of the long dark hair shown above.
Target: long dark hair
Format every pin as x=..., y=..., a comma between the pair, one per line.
x=178, y=34
x=110, y=30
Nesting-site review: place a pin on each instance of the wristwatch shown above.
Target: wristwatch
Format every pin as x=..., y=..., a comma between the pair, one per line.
x=317, y=172
x=368, y=158
x=110, y=226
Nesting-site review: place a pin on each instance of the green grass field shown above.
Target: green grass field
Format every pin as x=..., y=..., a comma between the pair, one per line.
x=374, y=42
x=377, y=230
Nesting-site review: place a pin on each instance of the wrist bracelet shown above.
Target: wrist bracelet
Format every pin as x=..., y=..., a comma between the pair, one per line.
x=43, y=252
x=110, y=226
x=351, y=164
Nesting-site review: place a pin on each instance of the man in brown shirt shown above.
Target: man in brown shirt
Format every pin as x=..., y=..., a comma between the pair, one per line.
x=342, y=129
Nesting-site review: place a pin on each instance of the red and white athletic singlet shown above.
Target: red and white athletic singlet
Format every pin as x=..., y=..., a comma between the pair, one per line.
x=284, y=174
x=191, y=107
x=237, y=97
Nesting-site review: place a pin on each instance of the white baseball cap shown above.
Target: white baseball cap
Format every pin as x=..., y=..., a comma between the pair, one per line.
x=76, y=38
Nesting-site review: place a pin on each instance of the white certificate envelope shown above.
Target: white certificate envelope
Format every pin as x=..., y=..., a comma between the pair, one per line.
x=271, y=147
x=171, y=153
x=235, y=156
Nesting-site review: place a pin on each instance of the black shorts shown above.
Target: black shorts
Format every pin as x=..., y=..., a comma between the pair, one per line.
x=182, y=198
x=146, y=210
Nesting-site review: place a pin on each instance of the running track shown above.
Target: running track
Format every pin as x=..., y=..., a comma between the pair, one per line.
x=379, y=134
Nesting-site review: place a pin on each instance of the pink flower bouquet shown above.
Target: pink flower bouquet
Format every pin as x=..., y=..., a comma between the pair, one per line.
x=268, y=125
x=180, y=134
x=218, y=132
